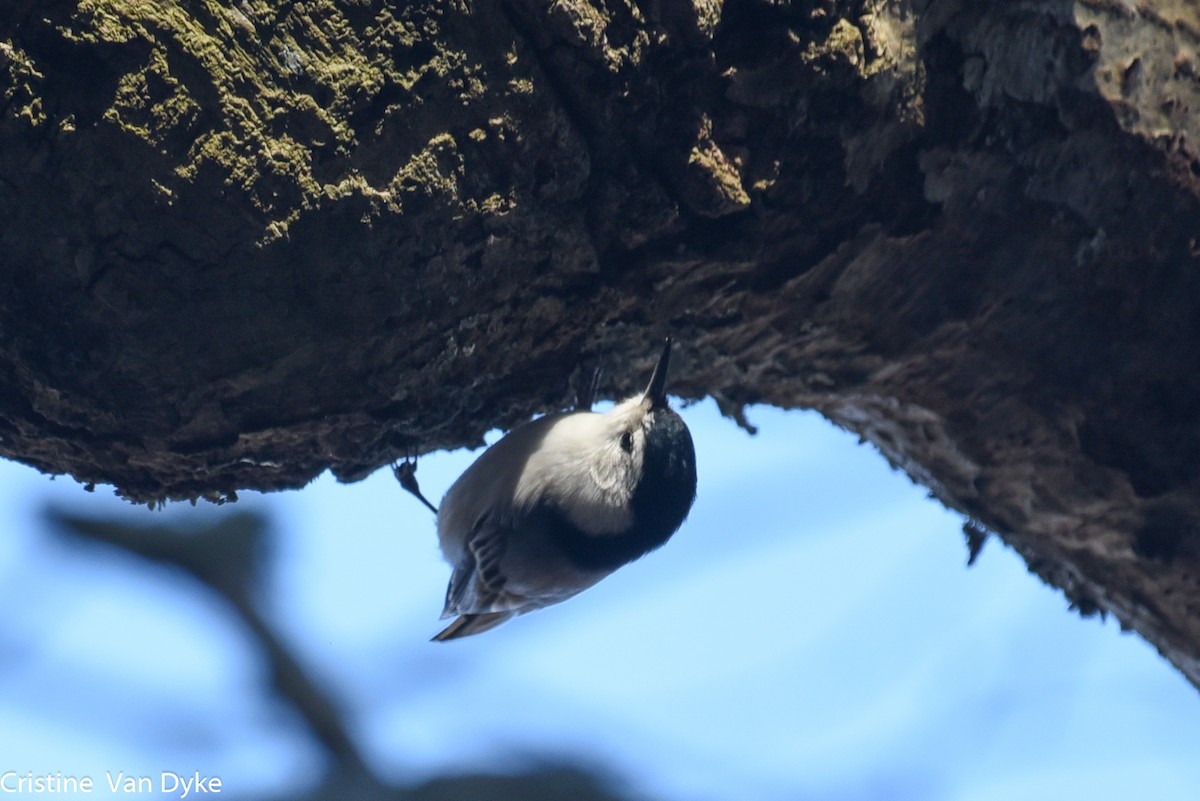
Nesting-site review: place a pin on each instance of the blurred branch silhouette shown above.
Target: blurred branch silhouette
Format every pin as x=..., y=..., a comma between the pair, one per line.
x=228, y=556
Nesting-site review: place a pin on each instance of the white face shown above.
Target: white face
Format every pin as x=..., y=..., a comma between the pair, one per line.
x=611, y=446
x=619, y=464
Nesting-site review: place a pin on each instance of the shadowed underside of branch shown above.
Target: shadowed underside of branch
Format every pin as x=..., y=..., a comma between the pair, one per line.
x=245, y=242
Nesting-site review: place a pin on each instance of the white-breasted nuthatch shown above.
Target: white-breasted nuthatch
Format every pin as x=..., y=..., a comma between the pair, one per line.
x=561, y=502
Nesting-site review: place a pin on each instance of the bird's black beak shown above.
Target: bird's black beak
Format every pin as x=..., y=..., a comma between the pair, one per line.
x=657, y=391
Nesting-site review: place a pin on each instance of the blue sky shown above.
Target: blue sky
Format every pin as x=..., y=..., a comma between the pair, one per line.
x=811, y=632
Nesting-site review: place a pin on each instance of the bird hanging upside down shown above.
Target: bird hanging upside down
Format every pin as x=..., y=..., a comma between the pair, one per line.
x=561, y=502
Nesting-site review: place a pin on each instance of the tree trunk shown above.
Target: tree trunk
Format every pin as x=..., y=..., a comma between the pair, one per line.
x=243, y=241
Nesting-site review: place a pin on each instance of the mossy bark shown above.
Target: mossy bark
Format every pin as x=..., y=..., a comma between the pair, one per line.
x=243, y=242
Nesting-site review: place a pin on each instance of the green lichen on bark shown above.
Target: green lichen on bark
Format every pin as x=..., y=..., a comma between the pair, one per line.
x=1150, y=73
x=268, y=94
x=19, y=77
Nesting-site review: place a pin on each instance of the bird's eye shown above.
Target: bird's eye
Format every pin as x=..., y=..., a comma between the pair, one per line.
x=627, y=442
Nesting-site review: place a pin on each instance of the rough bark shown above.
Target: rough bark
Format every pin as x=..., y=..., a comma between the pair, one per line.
x=244, y=242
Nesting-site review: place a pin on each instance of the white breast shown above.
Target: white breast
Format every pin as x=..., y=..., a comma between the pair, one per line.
x=578, y=466
x=554, y=457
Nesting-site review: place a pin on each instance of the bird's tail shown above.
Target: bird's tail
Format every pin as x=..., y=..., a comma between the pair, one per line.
x=466, y=625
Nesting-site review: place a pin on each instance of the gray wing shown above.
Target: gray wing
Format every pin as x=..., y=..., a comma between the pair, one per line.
x=508, y=567
x=477, y=584
x=476, y=593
